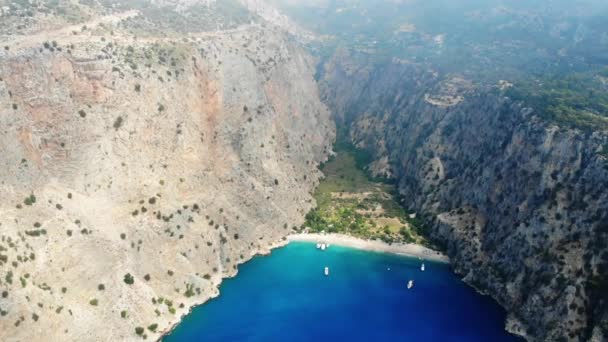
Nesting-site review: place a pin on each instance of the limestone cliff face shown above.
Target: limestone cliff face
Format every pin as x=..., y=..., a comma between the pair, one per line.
x=520, y=205
x=138, y=171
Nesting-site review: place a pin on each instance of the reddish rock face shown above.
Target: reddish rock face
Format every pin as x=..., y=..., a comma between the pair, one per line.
x=98, y=121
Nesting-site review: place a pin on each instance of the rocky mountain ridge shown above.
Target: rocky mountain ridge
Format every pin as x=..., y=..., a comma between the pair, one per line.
x=520, y=204
x=142, y=164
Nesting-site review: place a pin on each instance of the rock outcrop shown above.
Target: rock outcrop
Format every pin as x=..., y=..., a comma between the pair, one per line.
x=142, y=163
x=520, y=204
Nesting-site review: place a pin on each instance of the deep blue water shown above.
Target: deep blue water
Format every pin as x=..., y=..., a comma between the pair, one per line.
x=286, y=297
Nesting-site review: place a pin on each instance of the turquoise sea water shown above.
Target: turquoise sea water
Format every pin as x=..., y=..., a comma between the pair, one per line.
x=286, y=297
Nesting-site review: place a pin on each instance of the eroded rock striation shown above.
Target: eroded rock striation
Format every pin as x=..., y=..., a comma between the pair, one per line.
x=143, y=159
x=520, y=204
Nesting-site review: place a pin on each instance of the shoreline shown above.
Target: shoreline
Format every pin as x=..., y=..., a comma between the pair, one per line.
x=403, y=249
x=263, y=251
x=411, y=250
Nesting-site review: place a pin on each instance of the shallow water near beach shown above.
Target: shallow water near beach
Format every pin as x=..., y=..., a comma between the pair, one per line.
x=286, y=297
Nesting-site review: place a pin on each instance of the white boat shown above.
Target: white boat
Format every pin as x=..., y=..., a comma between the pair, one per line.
x=422, y=268
x=410, y=284
x=327, y=246
x=322, y=246
x=318, y=245
x=326, y=271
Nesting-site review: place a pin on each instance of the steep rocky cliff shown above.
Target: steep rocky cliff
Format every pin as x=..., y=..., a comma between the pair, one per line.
x=143, y=158
x=520, y=204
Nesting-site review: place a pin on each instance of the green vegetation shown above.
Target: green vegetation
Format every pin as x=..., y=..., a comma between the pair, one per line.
x=189, y=290
x=572, y=101
x=350, y=202
x=35, y=232
x=604, y=151
x=31, y=199
x=480, y=45
x=117, y=123
x=94, y=302
x=128, y=279
x=123, y=314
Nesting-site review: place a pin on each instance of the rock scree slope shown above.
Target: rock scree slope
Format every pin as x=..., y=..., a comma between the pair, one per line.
x=146, y=152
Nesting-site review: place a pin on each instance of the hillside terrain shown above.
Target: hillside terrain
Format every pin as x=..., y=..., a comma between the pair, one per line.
x=491, y=117
x=149, y=147
x=147, y=150
x=518, y=203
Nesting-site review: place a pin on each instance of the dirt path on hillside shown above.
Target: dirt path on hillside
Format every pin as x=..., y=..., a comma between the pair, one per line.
x=65, y=35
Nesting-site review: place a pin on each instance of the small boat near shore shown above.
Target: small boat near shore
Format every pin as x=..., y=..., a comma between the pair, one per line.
x=410, y=284
x=422, y=267
x=326, y=271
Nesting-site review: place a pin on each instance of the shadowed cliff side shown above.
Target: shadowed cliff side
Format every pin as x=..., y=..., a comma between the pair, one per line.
x=519, y=204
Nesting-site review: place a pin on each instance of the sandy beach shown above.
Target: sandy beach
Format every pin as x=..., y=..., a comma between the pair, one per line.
x=372, y=245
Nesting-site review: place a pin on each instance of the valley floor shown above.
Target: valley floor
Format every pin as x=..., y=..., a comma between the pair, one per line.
x=350, y=202
x=355, y=210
